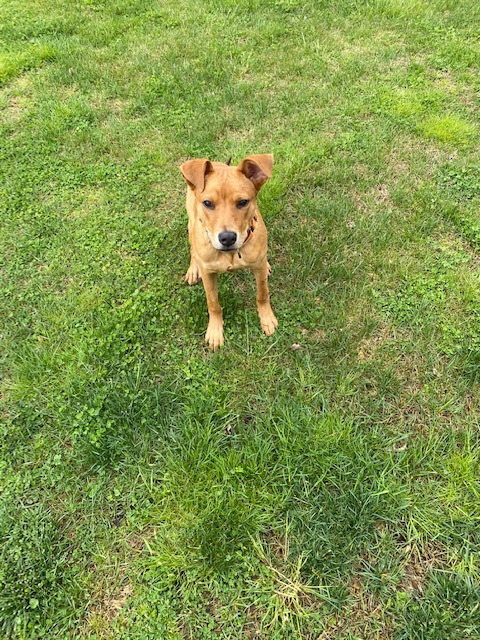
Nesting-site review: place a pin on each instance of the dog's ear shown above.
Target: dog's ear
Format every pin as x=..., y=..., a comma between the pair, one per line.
x=194, y=172
x=257, y=168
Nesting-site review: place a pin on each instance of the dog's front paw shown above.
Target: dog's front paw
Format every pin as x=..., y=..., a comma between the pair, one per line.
x=214, y=335
x=268, y=321
x=193, y=275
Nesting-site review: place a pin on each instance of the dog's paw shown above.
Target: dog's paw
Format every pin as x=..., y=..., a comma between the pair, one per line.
x=268, y=322
x=193, y=275
x=214, y=336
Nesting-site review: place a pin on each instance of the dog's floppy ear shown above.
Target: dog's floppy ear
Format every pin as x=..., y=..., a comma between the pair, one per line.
x=257, y=168
x=194, y=172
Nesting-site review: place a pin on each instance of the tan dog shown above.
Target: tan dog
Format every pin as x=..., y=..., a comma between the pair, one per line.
x=226, y=232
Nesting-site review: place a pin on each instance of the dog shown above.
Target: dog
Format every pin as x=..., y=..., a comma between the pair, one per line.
x=226, y=232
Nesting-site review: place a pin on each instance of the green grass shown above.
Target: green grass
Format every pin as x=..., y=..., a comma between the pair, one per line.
x=152, y=489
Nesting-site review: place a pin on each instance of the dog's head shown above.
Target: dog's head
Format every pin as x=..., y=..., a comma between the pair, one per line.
x=226, y=197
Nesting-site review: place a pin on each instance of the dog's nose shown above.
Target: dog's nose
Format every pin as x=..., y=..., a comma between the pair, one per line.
x=227, y=238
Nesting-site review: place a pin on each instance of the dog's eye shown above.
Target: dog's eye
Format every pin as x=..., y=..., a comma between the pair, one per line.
x=242, y=203
x=208, y=204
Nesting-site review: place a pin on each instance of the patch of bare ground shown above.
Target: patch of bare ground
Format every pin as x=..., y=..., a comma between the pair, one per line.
x=12, y=112
x=368, y=347
x=105, y=610
x=368, y=618
x=17, y=100
x=461, y=92
x=365, y=619
x=397, y=164
x=372, y=201
x=112, y=593
x=253, y=626
x=111, y=606
x=417, y=566
x=403, y=161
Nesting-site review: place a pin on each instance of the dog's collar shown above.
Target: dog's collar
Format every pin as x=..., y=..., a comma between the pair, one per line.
x=251, y=229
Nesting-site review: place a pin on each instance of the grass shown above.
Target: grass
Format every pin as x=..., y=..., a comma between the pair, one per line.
x=152, y=489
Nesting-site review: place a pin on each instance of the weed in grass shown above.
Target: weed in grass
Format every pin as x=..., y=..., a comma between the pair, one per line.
x=450, y=129
x=459, y=188
x=12, y=64
x=33, y=581
x=461, y=182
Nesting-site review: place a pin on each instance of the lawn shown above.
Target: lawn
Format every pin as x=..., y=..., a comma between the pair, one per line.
x=320, y=484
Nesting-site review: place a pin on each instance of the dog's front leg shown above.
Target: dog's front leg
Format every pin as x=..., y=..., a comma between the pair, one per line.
x=214, y=335
x=193, y=274
x=268, y=320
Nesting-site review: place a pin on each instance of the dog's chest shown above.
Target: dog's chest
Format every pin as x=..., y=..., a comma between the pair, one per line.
x=227, y=262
